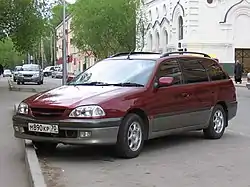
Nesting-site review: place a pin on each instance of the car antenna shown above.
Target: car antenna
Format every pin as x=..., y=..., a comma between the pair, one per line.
x=130, y=54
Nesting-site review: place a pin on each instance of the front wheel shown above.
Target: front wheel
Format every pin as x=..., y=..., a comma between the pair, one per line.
x=130, y=138
x=45, y=146
x=217, y=123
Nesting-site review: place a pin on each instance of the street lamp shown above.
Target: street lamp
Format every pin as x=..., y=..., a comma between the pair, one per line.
x=64, y=80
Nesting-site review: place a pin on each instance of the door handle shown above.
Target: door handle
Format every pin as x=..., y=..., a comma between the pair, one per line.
x=185, y=95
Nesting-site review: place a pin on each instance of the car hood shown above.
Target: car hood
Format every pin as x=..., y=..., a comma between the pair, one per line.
x=73, y=96
x=29, y=72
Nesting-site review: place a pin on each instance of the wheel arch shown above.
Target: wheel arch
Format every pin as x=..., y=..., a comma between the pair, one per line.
x=143, y=116
x=225, y=107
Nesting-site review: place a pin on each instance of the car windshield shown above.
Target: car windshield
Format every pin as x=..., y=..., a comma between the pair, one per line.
x=7, y=71
x=122, y=72
x=18, y=68
x=30, y=68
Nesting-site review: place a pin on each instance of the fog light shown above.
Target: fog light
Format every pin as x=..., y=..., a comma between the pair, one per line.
x=16, y=128
x=85, y=134
x=21, y=129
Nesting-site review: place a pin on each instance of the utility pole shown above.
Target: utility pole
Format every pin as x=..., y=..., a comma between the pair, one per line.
x=64, y=44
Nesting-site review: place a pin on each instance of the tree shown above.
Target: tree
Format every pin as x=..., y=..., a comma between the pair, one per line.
x=23, y=21
x=105, y=27
x=8, y=56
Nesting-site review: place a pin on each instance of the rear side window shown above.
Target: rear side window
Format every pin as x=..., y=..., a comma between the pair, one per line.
x=214, y=70
x=170, y=69
x=193, y=71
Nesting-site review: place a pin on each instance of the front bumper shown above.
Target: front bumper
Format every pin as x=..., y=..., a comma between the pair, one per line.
x=28, y=79
x=102, y=131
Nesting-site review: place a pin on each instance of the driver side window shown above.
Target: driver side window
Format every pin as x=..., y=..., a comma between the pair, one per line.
x=170, y=69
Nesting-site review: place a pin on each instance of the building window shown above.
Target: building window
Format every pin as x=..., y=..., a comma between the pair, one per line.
x=157, y=13
x=166, y=37
x=150, y=15
x=210, y=1
x=164, y=10
x=150, y=42
x=180, y=24
x=157, y=40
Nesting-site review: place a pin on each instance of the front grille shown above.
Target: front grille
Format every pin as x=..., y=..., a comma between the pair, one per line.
x=47, y=112
x=27, y=75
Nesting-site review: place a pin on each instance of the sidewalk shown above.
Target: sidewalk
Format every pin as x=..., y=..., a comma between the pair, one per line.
x=243, y=84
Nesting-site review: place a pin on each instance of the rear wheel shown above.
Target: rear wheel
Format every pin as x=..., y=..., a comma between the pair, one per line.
x=217, y=123
x=18, y=82
x=22, y=82
x=130, y=138
x=45, y=146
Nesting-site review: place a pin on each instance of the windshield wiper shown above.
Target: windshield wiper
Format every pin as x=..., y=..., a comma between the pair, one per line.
x=92, y=84
x=128, y=84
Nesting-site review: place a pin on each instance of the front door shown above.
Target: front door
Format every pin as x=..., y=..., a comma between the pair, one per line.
x=166, y=104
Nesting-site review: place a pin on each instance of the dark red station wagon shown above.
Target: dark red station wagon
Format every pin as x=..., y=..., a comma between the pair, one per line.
x=129, y=98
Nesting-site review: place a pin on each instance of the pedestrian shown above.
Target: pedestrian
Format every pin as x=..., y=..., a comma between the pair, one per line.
x=238, y=71
x=1, y=69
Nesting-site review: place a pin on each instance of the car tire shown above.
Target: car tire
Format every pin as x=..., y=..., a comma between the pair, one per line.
x=217, y=123
x=14, y=80
x=18, y=82
x=23, y=83
x=45, y=146
x=128, y=146
x=41, y=81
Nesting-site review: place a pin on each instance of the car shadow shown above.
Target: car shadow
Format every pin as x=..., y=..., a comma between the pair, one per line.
x=107, y=153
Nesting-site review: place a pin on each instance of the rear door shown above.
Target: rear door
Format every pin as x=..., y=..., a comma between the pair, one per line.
x=199, y=91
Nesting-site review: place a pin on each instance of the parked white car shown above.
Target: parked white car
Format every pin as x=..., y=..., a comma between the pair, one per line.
x=248, y=81
x=7, y=73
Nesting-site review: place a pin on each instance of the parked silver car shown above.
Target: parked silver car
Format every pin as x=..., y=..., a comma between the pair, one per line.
x=7, y=73
x=248, y=81
x=30, y=73
x=15, y=72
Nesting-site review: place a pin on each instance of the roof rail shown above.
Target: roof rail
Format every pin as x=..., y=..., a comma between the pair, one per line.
x=184, y=52
x=134, y=53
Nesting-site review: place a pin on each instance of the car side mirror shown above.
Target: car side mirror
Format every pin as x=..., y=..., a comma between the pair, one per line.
x=165, y=81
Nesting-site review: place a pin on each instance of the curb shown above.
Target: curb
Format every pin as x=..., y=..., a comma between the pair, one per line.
x=36, y=178
x=13, y=88
x=33, y=169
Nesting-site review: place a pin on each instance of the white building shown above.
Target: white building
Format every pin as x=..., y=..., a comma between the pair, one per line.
x=77, y=60
x=216, y=27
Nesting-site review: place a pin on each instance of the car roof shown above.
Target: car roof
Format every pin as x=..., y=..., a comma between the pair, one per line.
x=158, y=56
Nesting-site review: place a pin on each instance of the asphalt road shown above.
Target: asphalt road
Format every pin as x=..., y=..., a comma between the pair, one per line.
x=11, y=150
x=186, y=160
x=48, y=83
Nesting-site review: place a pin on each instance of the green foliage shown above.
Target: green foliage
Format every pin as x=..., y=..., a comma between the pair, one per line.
x=105, y=26
x=24, y=21
x=8, y=56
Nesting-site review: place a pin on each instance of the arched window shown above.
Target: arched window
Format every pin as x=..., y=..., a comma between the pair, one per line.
x=150, y=15
x=166, y=37
x=157, y=13
x=157, y=40
x=180, y=25
x=150, y=42
x=164, y=10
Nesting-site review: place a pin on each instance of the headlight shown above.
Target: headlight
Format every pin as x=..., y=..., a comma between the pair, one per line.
x=23, y=108
x=87, y=112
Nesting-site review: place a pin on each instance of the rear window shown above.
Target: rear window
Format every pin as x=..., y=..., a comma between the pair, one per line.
x=214, y=70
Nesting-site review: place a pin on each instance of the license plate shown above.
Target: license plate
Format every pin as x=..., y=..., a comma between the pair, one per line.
x=35, y=127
